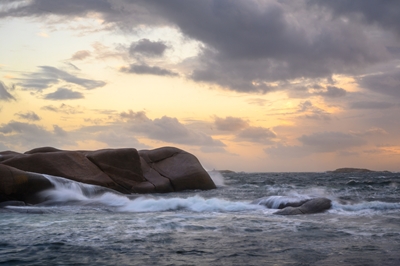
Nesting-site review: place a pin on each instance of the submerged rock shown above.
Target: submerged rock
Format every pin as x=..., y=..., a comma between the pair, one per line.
x=126, y=170
x=310, y=206
x=293, y=205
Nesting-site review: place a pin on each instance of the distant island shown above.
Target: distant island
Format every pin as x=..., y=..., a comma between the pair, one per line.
x=353, y=170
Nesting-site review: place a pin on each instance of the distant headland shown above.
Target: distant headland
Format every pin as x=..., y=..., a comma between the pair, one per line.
x=354, y=170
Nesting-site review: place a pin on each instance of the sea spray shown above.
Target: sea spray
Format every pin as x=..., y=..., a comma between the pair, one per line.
x=67, y=191
x=276, y=202
x=217, y=177
x=366, y=207
x=195, y=204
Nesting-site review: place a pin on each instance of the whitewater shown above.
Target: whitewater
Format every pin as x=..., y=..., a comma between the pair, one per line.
x=80, y=224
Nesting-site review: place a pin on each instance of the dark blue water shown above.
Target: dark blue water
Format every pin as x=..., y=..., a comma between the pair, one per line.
x=78, y=225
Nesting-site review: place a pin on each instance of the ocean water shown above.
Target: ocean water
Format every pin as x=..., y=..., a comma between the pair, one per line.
x=87, y=225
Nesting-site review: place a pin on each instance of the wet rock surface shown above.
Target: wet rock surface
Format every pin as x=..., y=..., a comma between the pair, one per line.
x=162, y=170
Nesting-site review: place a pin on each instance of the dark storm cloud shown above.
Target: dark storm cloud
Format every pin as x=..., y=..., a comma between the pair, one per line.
x=331, y=141
x=48, y=76
x=64, y=94
x=247, y=43
x=58, y=7
x=142, y=69
x=4, y=94
x=386, y=83
x=385, y=13
x=147, y=48
x=332, y=92
x=30, y=116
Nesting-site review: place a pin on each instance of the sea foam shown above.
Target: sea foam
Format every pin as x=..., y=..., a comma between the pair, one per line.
x=67, y=191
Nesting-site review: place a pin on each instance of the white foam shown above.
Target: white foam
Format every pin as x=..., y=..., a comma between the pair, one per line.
x=366, y=206
x=195, y=204
x=273, y=202
x=217, y=177
x=67, y=190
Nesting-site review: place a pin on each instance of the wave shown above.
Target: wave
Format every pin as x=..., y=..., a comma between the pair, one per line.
x=366, y=206
x=195, y=204
x=69, y=192
x=277, y=202
x=68, y=195
x=217, y=178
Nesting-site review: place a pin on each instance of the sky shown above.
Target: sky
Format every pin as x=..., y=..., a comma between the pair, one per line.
x=244, y=85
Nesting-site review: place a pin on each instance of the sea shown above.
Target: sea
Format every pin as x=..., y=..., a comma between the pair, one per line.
x=87, y=225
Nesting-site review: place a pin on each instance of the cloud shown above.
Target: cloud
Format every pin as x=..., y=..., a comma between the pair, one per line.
x=64, y=94
x=331, y=141
x=332, y=92
x=30, y=136
x=147, y=48
x=371, y=105
x=135, y=116
x=256, y=134
x=230, y=123
x=64, y=108
x=247, y=44
x=306, y=91
x=168, y=129
x=257, y=101
x=372, y=132
x=383, y=13
x=243, y=131
x=119, y=139
x=307, y=110
x=80, y=55
x=58, y=7
x=4, y=94
x=30, y=116
x=48, y=76
x=143, y=69
x=385, y=83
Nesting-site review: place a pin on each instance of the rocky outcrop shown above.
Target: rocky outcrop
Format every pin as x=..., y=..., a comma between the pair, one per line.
x=180, y=168
x=128, y=171
x=354, y=170
x=293, y=206
x=309, y=206
x=20, y=185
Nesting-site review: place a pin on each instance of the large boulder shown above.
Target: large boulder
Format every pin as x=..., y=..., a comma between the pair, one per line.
x=123, y=166
x=182, y=169
x=68, y=164
x=309, y=206
x=128, y=171
x=17, y=185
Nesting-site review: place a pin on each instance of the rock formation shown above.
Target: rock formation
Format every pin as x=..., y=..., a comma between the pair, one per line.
x=128, y=171
x=289, y=206
x=310, y=206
